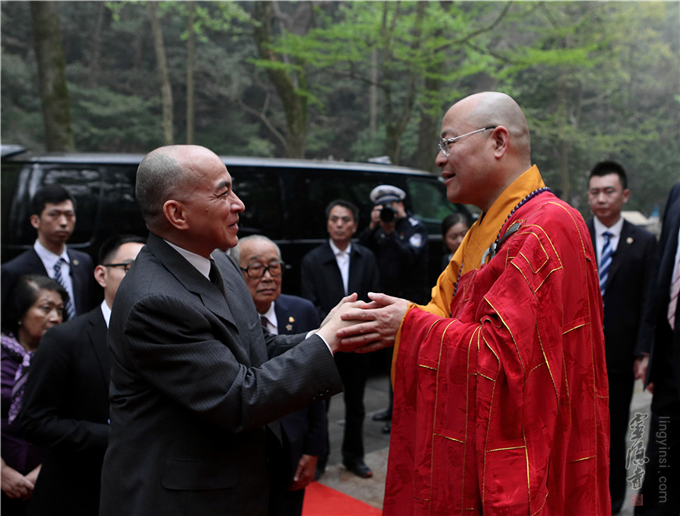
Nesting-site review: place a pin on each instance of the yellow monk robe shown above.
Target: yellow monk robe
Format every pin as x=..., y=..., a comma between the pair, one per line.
x=500, y=398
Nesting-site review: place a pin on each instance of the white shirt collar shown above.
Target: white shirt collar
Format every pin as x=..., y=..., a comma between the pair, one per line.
x=336, y=250
x=272, y=323
x=48, y=257
x=106, y=312
x=614, y=230
x=201, y=264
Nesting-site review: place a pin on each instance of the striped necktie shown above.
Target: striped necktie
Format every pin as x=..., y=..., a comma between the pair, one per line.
x=675, y=289
x=70, y=309
x=605, y=260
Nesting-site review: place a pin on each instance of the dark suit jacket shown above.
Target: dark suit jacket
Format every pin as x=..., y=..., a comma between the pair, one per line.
x=664, y=345
x=82, y=276
x=66, y=410
x=306, y=429
x=194, y=382
x=322, y=282
x=626, y=294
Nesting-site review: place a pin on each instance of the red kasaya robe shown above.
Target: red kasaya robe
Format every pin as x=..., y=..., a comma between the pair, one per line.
x=502, y=408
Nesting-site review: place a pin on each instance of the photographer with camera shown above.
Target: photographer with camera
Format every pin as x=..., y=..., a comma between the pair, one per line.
x=399, y=242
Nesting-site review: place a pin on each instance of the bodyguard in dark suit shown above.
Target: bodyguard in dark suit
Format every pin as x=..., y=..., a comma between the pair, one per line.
x=66, y=404
x=625, y=255
x=196, y=385
x=662, y=475
x=305, y=430
x=333, y=270
x=53, y=216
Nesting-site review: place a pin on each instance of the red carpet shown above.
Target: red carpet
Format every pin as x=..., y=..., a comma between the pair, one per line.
x=321, y=500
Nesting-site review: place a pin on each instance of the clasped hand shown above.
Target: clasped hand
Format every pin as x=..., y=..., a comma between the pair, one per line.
x=364, y=327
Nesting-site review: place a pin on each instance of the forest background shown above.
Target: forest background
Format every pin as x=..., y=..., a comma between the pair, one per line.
x=349, y=80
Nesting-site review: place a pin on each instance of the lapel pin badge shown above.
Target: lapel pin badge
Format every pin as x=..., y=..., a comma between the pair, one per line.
x=74, y=262
x=629, y=240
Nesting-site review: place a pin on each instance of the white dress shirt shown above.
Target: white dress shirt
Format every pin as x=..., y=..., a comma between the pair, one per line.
x=272, y=323
x=600, y=228
x=106, y=312
x=49, y=260
x=342, y=259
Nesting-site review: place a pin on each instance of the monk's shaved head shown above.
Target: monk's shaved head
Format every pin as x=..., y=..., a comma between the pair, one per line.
x=490, y=148
x=492, y=108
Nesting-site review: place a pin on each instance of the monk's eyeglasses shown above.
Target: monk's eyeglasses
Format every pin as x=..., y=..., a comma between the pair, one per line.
x=445, y=142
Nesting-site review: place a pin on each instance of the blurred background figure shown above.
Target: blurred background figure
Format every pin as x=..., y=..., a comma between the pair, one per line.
x=331, y=271
x=454, y=228
x=660, y=493
x=35, y=304
x=625, y=262
x=399, y=242
x=305, y=430
x=66, y=403
x=53, y=215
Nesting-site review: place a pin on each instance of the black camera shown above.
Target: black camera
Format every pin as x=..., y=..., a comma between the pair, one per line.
x=387, y=214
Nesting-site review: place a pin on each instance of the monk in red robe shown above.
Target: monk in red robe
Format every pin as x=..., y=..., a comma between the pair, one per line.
x=500, y=384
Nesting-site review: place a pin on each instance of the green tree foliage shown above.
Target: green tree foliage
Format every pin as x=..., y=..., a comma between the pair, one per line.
x=597, y=80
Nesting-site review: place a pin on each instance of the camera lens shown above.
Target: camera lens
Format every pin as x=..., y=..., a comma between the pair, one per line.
x=387, y=214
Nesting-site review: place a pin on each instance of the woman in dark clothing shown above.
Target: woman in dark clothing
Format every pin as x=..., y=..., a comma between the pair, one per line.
x=35, y=304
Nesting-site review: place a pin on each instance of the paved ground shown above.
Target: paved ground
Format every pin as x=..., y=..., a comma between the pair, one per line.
x=376, y=444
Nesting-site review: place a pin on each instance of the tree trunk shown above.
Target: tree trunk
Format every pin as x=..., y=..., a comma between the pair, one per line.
x=294, y=105
x=373, y=95
x=166, y=89
x=96, y=45
x=191, y=48
x=395, y=127
x=51, y=77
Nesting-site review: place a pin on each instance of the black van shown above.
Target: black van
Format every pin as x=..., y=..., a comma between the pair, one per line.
x=285, y=199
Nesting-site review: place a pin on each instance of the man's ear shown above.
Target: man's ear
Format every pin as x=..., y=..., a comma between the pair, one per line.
x=501, y=140
x=100, y=275
x=175, y=214
x=626, y=195
x=35, y=221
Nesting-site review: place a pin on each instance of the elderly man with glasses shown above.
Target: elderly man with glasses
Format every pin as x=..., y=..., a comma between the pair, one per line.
x=305, y=430
x=500, y=393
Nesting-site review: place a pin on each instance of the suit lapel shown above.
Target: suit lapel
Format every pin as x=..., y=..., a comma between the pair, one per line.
x=34, y=263
x=191, y=279
x=626, y=241
x=96, y=333
x=285, y=325
x=74, y=267
x=333, y=271
x=355, y=270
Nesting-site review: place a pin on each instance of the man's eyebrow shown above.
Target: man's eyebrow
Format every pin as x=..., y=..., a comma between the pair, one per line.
x=224, y=185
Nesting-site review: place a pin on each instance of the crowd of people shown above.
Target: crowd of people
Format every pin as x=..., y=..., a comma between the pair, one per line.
x=204, y=390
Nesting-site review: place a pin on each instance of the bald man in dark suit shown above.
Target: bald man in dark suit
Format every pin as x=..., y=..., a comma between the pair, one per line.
x=196, y=383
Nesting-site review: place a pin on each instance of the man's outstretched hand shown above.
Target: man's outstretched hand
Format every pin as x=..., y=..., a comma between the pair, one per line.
x=375, y=324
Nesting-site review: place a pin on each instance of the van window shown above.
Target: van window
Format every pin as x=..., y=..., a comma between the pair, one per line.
x=314, y=189
x=259, y=190
x=429, y=202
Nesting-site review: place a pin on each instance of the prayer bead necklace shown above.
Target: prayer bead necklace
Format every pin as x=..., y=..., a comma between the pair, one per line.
x=493, y=248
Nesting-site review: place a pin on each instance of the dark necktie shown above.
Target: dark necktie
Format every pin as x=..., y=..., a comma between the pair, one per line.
x=216, y=278
x=70, y=309
x=605, y=260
